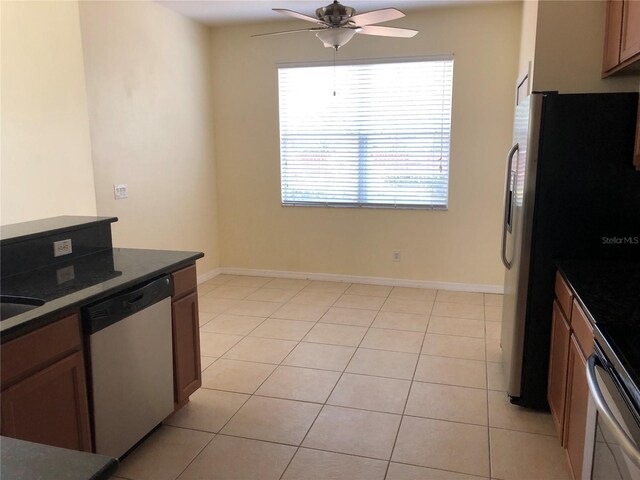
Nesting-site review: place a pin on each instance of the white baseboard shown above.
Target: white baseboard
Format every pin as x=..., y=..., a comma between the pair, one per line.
x=209, y=275
x=392, y=282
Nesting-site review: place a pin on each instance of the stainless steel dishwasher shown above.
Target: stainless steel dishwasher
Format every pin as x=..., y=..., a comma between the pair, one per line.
x=131, y=364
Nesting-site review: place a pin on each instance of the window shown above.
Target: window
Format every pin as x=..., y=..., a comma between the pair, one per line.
x=381, y=140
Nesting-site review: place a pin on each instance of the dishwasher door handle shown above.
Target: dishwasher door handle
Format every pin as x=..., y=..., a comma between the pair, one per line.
x=116, y=308
x=627, y=444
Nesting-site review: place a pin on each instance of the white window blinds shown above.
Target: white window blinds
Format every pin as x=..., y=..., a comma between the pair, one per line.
x=381, y=141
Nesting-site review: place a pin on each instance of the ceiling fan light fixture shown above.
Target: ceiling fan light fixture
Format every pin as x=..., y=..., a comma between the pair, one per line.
x=336, y=24
x=336, y=37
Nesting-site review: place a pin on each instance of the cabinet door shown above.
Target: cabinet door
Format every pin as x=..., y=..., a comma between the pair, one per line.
x=186, y=347
x=630, y=39
x=576, y=413
x=50, y=406
x=612, y=35
x=558, y=365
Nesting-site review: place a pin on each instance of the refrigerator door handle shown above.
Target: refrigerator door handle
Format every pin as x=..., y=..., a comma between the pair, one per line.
x=508, y=204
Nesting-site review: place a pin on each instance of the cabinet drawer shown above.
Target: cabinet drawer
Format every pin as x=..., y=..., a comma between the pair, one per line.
x=582, y=329
x=39, y=348
x=563, y=294
x=184, y=280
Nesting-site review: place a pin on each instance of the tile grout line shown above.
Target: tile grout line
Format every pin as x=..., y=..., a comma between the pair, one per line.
x=243, y=404
x=335, y=385
x=342, y=372
x=315, y=449
x=415, y=369
x=486, y=372
x=249, y=396
x=236, y=412
x=325, y=402
x=196, y=455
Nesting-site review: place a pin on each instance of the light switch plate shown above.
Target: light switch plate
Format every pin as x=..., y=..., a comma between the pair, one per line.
x=121, y=191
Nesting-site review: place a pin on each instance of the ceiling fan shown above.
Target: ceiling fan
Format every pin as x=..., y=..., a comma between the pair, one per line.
x=337, y=24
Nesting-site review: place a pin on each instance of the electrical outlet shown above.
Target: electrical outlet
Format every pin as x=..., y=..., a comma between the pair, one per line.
x=396, y=255
x=121, y=191
x=62, y=247
x=65, y=274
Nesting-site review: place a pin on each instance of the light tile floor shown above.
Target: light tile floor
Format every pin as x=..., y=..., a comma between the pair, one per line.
x=326, y=380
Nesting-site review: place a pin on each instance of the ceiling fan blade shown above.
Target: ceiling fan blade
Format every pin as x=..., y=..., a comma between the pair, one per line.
x=387, y=31
x=376, y=16
x=289, y=31
x=297, y=15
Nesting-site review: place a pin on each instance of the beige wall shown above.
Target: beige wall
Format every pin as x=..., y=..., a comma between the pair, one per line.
x=46, y=151
x=528, y=36
x=149, y=90
x=569, y=43
x=459, y=245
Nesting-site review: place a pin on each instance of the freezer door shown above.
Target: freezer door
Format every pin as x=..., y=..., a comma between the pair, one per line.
x=518, y=240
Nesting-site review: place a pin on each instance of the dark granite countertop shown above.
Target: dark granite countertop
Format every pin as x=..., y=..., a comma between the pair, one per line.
x=18, y=232
x=84, y=280
x=609, y=293
x=608, y=290
x=27, y=460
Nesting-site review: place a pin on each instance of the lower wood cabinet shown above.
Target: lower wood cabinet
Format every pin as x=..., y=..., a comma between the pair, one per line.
x=186, y=335
x=186, y=347
x=576, y=409
x=558, y=367
x=568, y=391
x=50, y=406
x=44, y=392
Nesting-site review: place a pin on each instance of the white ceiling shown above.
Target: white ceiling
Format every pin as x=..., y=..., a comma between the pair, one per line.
x=220, y=12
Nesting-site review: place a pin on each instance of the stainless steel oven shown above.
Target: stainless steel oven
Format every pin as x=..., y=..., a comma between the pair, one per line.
x=612, y=449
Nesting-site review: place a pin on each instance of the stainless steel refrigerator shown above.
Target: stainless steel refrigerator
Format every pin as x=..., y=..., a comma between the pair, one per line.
x=570, y=185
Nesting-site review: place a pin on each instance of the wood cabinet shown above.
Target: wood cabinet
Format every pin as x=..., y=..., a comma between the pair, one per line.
x=612, y=35
x=622, y=36
x=558, y=367
x=576, y=409
x=630, y=35
x=44, y=393
x=186, y=335
x=568, y=392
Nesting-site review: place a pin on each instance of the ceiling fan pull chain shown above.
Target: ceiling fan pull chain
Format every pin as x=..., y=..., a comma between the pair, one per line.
x=335, y=50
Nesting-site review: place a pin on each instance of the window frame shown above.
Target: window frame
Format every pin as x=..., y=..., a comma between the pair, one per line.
x=369, y=61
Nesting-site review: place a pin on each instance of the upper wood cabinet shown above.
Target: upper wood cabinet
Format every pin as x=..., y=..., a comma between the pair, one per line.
x=630, y=38
x=612, y=35
x=622, y=35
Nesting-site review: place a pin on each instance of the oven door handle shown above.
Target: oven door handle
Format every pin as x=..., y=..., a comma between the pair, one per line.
x=627, y=444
